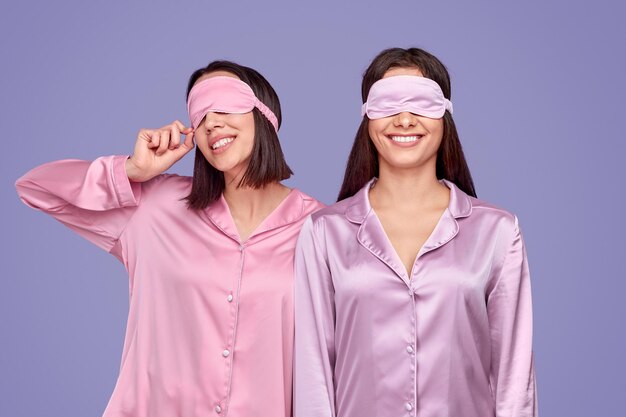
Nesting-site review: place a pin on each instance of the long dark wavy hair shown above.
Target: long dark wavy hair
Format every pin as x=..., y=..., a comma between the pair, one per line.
x=267, y=162
x=363, y=160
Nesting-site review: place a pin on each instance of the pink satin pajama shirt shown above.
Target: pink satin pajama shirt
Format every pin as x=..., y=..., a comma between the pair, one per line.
x=453, y=339
x=210, y=328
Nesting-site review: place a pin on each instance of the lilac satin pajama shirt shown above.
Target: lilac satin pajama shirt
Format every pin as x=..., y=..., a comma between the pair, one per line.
x=453, y=339
x=210, y=328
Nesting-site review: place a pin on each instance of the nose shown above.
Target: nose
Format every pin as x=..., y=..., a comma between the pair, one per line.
x=405, y=119
x=213, y=120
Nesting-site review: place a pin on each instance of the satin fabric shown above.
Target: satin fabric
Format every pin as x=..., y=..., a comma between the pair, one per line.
x=210, y=327
x=452, y=340
x=227, y=95
x=393, y=95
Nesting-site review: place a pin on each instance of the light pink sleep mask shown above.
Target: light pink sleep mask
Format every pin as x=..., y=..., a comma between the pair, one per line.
x=225, y=95
x=393, y=95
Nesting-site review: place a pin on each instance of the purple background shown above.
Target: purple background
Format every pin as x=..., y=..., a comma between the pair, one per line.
x=538, y=92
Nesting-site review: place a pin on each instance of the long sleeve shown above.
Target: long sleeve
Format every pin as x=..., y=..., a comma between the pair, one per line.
x=95, y=199
x=509, y=306
x=314, y=360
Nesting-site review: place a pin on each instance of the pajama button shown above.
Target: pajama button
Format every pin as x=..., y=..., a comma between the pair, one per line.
x=218, y=409
x=229, y=298
x=408, y=406
x=225, y=353
x=409, y=349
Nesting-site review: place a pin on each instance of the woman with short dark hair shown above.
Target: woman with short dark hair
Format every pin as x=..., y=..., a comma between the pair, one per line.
x=210, y=258
x=412, y=296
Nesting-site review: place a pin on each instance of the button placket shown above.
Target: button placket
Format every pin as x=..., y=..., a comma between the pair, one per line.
x=228, y=352
x=411, y=349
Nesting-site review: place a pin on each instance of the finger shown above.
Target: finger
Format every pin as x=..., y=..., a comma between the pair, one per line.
x=188, y=144
x=164, y=142
x=145, y=135
x=184, y=129
x=155, y=138
x=174, y=137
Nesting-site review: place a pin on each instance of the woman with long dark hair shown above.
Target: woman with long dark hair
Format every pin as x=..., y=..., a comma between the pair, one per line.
x=413, y=296
x=210, y=257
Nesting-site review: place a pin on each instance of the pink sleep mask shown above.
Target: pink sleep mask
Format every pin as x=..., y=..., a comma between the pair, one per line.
x=225, y=95
x=393, y=95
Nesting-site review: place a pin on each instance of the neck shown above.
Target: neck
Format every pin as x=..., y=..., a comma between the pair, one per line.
x=414, y=188
x=243, y=201
x=250, y=203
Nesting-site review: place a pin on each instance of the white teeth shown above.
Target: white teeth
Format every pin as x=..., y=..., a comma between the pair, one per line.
x=405, y=138
x=221, y=143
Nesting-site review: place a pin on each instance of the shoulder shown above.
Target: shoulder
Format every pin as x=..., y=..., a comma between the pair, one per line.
x=321, y=213
x=309, y=204
x=334, y=220
x=485, y=208
x=337, y=210
x=486, y=214
x=164, y=187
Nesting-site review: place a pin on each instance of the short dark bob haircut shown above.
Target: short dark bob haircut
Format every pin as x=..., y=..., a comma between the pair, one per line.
x=267, y=162
x=363, y=160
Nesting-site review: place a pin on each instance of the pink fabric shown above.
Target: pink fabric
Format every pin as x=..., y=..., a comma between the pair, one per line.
x=210, y=328
x=226, y=95
x=393, y=95
x=452, y=340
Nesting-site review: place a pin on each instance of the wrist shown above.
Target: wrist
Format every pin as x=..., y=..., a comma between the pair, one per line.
x=132, y=172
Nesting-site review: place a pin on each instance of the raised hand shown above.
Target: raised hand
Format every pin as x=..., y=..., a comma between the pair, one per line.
x=156, y=150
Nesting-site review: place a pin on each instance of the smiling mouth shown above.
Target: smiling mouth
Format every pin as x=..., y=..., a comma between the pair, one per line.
x=405, y=139
x=221, y=143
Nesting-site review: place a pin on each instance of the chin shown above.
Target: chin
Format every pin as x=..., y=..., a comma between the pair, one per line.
x=232, y=169
x=404, y=163
x=225, y=168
